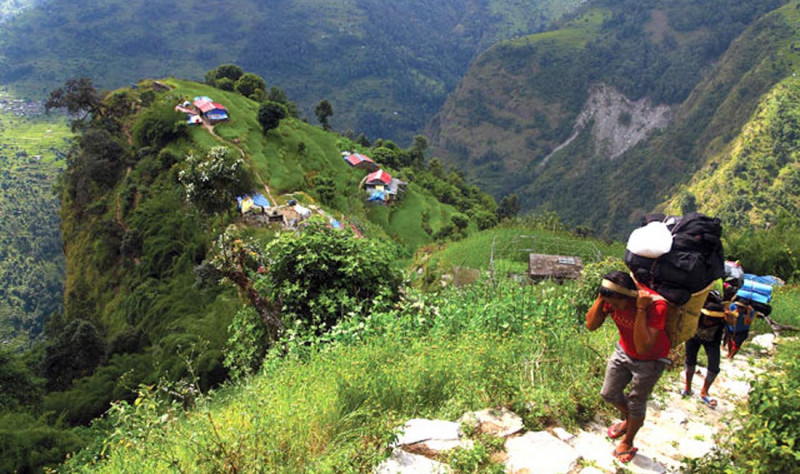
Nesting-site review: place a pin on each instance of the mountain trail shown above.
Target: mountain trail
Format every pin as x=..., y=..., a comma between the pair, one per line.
x=676, y=428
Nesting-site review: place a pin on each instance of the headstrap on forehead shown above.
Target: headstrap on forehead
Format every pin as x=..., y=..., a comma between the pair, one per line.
x=713, y=314
x=619, y=288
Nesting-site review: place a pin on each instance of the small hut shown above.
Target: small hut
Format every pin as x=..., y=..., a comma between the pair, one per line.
x=357, y=160
x=559, y=267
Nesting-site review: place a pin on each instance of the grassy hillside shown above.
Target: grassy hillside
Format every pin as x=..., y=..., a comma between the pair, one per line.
x=31, y=260
x=385, y=66
x=521, y=100
x=335, y=408
x=134, y=241
x=509, y=245
x=151, y=234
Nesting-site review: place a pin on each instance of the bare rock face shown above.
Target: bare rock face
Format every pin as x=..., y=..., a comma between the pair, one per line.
x=617, y=122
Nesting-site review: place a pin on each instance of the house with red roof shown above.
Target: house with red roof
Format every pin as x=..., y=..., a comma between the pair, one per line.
x=357, y=160
x=378, y=178
x=192, y=116
x=382, y=188
x=213, y=112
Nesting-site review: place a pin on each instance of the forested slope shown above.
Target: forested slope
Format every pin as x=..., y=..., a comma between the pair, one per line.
x=386, y=66
x=32, y=151
x=518, y=123
x=754, y=181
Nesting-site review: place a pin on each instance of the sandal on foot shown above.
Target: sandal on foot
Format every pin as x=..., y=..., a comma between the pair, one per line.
x=624, y=456
x=709, y=401
x=614, y=430
x=685, y=394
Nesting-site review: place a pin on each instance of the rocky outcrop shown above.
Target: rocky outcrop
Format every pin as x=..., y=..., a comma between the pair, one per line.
x=617, y=123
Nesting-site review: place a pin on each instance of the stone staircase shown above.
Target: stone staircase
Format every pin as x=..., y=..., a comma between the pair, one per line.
x=675, y=428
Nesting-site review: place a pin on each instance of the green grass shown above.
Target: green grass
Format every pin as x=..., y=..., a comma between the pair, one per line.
x=786, y=305
x=333, y=408
x=572, y=36
x=513, y=244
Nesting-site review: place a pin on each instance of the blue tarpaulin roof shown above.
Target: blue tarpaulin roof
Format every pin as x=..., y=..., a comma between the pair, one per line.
x=260, y=200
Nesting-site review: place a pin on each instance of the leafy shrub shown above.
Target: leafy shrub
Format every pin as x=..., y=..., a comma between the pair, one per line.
x=212, y=183
x=231, y=72
x=158, y=126
x=325, y=186
x=270, y=116
x=773, y=251
x=28, y=444
x=247, y=344
x=225, y=84
x=74, y=352
x=19, y=386
x=321, y=275
x=250, y=84
x=485, y=219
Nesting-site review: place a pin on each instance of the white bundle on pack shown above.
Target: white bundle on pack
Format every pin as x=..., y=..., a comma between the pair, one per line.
x=652, y=240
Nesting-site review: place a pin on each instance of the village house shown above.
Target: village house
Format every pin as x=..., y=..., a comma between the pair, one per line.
x=212, y=111
x=357, y=160
x=382, y=187
x=192, y=116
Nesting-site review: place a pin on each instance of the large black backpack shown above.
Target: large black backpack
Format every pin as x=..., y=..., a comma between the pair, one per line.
x=694, y=262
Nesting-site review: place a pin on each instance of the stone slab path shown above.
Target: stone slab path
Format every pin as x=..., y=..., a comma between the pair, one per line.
x=675, y=428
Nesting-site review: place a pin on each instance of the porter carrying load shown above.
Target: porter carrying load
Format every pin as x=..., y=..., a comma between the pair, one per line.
x=684, y=274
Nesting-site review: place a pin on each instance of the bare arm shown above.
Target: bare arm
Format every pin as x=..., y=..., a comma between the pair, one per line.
x=748, y=315
x=644, y=336
x=595, y=316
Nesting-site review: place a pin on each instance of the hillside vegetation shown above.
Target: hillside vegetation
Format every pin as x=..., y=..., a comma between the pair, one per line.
x=522, y=98
x=132, y=239
x=32, y=151
x=754, y=180
x=151, y=232
x=385, y=66
x=336, y=407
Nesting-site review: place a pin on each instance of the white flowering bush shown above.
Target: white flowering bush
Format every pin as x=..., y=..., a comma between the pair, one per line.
x=212, y=182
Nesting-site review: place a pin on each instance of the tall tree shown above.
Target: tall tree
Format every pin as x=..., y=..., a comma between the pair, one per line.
x=251, y=84
x=416, y=153
x=509, y=207
x=323, y=112
x=270, y=116
x=80, y=98
x=229, y=71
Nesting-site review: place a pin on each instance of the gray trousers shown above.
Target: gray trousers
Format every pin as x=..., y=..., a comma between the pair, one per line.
x=642, y=376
